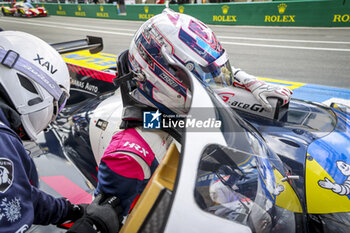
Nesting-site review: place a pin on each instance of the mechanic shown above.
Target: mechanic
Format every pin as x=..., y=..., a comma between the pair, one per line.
x=164, y=40
x=34, y=87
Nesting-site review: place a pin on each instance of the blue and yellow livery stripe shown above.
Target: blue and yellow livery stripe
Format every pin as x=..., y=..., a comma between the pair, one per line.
x=312, y=92
x=290, y=85
x=320, y=200
x=100, y=61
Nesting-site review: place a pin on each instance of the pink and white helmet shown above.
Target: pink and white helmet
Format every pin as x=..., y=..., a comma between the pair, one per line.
x=185, y=40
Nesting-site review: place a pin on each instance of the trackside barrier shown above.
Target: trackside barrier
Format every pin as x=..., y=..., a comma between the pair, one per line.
x=277, y=13
x=107, y=11
x=315, y=13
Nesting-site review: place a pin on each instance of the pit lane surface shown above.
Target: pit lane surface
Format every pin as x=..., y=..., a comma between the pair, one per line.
x=299, y=54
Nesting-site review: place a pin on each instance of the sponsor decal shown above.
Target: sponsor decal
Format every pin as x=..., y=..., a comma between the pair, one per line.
x=168, y=80
x=79, y=12
x=6, y=174
x=102, y=14
x=46, y=64
x=60, y=11
x=227, y=97
x=253, y=107
x=224, y=17
x=341, y=189
x=225, y=9
x=102, y=124
x=181, y=9
x=282, y=8
x=146, y=15
x=341, y=18
x=47, y=82
x=280, y=18
x=88, y=60
x=84, y=85
x=136, y=147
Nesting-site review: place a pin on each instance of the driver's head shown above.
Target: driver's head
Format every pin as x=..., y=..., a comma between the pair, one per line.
x=186, y=41
x=34, y=80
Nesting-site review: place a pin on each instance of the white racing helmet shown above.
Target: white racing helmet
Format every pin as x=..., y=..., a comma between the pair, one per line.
x=35, y=79
x=185, y=40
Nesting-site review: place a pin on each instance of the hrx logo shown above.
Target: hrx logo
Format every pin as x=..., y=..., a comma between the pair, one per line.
x=151, y=120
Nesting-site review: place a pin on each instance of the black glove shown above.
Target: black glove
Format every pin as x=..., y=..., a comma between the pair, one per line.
x=103, y=214
x=74, y=213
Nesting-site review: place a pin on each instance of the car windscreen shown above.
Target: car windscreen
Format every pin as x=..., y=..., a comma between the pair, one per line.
x=28, y=5
x=245, y=188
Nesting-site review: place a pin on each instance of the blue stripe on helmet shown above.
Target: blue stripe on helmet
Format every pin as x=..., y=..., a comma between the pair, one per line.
x=200, y=48
x=205, y=46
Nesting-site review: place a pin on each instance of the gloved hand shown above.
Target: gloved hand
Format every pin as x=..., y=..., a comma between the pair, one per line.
x=262, y=90
x=74, y=213
x=103, y=215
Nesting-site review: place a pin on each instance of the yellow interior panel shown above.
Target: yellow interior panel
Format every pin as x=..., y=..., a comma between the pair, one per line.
x=163, y=178
x=287, y=199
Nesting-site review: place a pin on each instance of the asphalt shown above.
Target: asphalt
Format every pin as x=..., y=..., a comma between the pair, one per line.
x=300, y=54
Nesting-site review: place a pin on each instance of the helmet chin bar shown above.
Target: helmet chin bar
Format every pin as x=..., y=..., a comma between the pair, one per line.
x=186, y=79
x=33, y=128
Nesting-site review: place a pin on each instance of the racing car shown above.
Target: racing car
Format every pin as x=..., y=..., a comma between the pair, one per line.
x=286, y=171
x=7, y=11
x=24, y=9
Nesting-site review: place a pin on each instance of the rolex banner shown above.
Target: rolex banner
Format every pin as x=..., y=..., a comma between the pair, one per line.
x=314, y=13
x=107, y=11
x=275, y=13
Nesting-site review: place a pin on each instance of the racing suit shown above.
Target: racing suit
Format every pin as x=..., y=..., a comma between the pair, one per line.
x=21, y=203
x=129, y=162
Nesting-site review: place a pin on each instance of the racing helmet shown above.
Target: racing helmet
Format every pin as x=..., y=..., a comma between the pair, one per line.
x=34, y=79
x=184, y=40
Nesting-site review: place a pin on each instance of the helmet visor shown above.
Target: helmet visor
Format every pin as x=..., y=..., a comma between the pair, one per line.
x=218, y=73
